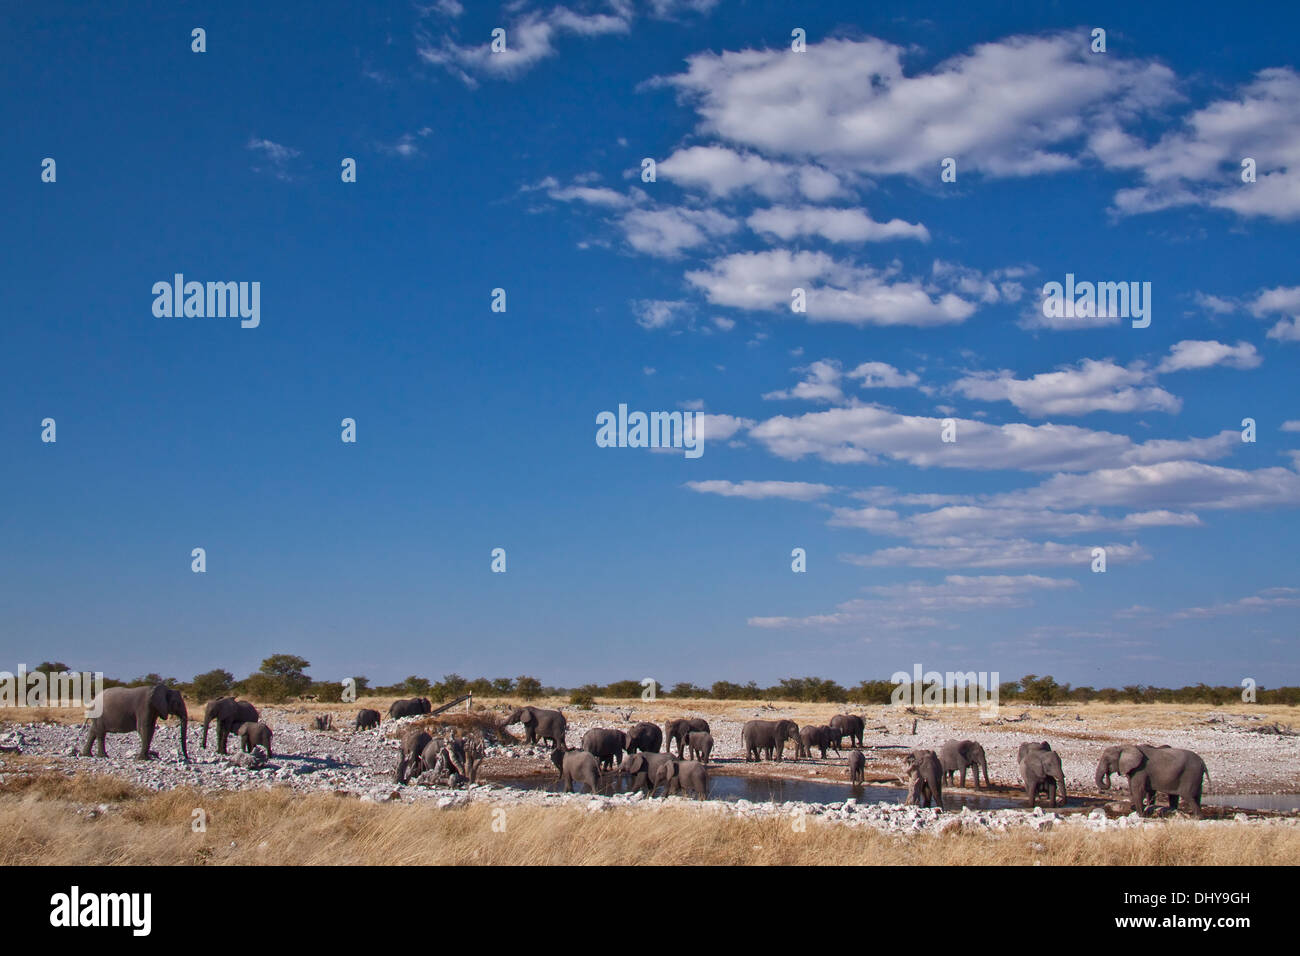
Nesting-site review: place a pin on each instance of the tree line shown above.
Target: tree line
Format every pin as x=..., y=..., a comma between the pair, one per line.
x=284, y=677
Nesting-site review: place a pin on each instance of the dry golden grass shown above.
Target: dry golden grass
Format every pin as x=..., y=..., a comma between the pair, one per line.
x=40, y=824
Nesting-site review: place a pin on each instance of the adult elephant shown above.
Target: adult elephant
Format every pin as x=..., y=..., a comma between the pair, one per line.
x=924, y=779
x=413, y=745
x=1152, y=770
x=677, y=775
x=605, y=745
x=576, y=766
x=1028, y=746
x=1041, y=770
x=547, y=725
x=645, y=736
x=230, y=714
x=409, y=707
x=367, y=718
x=847, y=725
x=958, y=755
x=764, y=738
x=135, y=709
x=255, y=735
x=701, y=745
x=641, y=768
x=679, y=728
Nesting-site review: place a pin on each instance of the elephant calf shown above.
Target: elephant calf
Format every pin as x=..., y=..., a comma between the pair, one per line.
x=701, y=744
x=367, y=718
x=857, y=766
x=676, y=775
x=576, y=765
x=924, y=779
x=1041, y=771
x=255, y=735
x=822, y=737
x=413, y=745
x=641, y=768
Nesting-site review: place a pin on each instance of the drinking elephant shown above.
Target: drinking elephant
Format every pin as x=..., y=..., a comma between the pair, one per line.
x=676, y=775
x=367, y=718
x=645, y=736
x=413, y=745
x=1041, y=770
x=701, y=744
x=957, y=755
x=255, y=735
x=769, y=737
x=677, y=730
x=606, y=745
x=924, y=779
x=819, y=736
x=578, y=766
x=230, y=714
x=847, y=725
x=410, y=707
x=548, y=725
x=857, y=766
x=1152, y=770
x=135, y=709
x=641, y=767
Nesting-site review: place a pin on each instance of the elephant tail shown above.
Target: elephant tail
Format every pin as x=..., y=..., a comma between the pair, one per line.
x=1205, y=770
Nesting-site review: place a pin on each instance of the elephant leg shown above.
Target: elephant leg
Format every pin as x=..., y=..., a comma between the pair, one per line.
x=1173, y=803
x=146, y=738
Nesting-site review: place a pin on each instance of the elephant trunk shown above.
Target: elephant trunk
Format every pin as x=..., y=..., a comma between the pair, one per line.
x=1060, y=790
x=184, y=715
x=1103, y=777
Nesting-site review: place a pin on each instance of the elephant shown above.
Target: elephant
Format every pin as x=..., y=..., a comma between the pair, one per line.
x=255, y=735
x=547, y=725
x=367, y=718
x=769, y=736
x=677, y=730
x=126, y=709
x=701, y=744
x=957, y=755
x=645, y=736
x=819, y=736
x=410, y=707
x=576, y=765
x=924, y=779
x=1027, y=746
x=230, y=714
x=1041, y=770
x=607, y=745
x=641, y=768
x=1151, y=770
x=857, y=766
x=847, y=725
x=676, y=775
x=413, y=745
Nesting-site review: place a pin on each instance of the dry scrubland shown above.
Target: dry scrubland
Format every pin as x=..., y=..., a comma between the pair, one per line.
x=95, y=820
x=52, y=811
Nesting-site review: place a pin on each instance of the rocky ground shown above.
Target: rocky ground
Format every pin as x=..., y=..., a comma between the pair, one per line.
x=1241, y=758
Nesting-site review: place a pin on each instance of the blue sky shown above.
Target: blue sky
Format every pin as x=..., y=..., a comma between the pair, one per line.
x=476, y=429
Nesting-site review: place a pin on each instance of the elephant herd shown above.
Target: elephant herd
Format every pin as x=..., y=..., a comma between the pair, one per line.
x=138, y=710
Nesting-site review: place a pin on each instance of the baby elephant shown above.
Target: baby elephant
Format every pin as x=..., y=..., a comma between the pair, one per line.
x=576, y=765
x=857, y=766
x=676, y=775
x=255, y=735
x=367, y=718
x=323, y=723
x=701, y=744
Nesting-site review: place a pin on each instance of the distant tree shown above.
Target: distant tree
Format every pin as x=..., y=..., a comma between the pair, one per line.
x=361, y=684
x=584, y=698
x=623, y=689
x=529, y=688
x=211, y=685
x=726, y=690
x=685, y=689
x=415, y=686
x=454, y=685
x=287, y=674
x=502, y=686
x=45, y=667
x=1040, y=690
x=872, y=692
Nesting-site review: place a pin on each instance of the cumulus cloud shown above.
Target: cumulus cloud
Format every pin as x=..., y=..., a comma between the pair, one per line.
x=723, y=172
x=667, y=231
x=1089, y=387
x=758, y=490
x=822, y=381
x=1192, y=354
x=834, y=225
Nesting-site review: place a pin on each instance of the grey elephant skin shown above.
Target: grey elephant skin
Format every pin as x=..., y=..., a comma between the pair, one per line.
x=765, y=739
x=576, y=766
x=230, y=714
x=925, y=779
x=956, y=756
x=701, y=745
x=605, y=745
x=1178, y=773
x=645, y=736
x=367, y=718
x=135, y=709
x=678, y=729
x=413, y=745
x=255, y=735
x=677, y=775
x=641, y=767
x=857, y=762
x=1041, y=771
x=410, y=707
x=547, y=725
x=1030, y=745
x=847, y=725
x=820, y=736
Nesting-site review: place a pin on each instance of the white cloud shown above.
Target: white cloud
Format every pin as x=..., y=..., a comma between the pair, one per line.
x=1192, y=354
x=835, y=225
x=998, y=553
x=658, y=313
x=667, y=231
x=822, y=381
x=1091, y=386
x=722, y=172
x=758, y=490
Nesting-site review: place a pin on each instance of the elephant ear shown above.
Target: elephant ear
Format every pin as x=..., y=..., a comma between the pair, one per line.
x=158, y=700
x=1130, y=759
